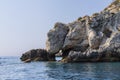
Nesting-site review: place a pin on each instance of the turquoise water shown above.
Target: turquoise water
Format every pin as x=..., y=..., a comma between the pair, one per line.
x=11, y=68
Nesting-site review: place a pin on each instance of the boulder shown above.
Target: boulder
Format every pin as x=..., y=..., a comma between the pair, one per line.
x=36, y=55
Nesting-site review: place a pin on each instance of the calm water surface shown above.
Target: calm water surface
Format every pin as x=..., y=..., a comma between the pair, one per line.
x=11, y=68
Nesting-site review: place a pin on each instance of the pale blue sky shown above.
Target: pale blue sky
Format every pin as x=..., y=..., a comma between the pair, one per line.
x=25, y=23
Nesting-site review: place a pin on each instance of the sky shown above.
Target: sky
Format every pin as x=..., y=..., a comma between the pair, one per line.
x=24, y=24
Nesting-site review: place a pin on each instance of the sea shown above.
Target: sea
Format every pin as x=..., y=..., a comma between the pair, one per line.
x=11, y=68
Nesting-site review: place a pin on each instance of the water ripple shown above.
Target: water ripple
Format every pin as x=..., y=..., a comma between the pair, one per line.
x=14, y=69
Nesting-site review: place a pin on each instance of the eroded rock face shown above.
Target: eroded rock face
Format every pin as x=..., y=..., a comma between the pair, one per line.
x=36, y=55
x=76, y=39
x=90, y=38
x=56, y=38
x=114, y=7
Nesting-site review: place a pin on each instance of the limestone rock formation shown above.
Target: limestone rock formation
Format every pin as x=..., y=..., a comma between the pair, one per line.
x=56, y=38
x=90, y=38
x=36, y=55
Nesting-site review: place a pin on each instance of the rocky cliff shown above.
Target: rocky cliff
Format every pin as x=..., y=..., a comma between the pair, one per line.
x=89, y=38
